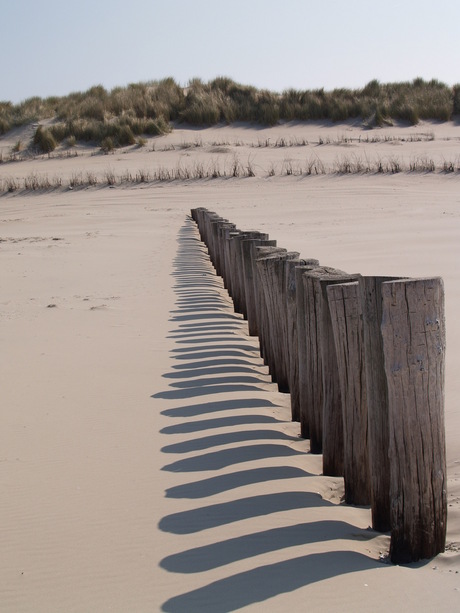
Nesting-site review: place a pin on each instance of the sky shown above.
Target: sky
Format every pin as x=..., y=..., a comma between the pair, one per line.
x=55, y=47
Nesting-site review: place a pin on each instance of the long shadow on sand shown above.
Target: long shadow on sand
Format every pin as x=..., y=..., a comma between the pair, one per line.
x=217, y=460
x=204, y=558
x=198, y=444
x=260, y=584
x=224, y=513
x=192, y=410
x=219, y=422
x=234, y=480
x=217, y=374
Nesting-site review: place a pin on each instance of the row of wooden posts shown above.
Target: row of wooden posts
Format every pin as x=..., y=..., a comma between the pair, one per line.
x=363, y=360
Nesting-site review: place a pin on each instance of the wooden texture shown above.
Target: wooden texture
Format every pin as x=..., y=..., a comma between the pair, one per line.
x=272, y=276
x=224, y=235
x=249, y=251
x=302, y=347
x=246, y=246
x=237, y=271
x=332, y=396
x=316, y=322
x=281, y=270
x=264, y=323
x=220, y=229
x=209, y=217
x=377, y=400
x=364, y=363
x=292, y=335
x=227, y=259
x=413, y=332
x=346, y=316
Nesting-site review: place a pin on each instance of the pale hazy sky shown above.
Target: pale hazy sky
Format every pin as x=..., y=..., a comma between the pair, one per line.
x=54, y=47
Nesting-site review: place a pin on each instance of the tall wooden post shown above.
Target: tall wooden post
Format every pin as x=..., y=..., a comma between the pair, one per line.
x=218, y=230
x=317, y=373
x=246, y=246
x=346, y=316
x=302, y=347
x=377, y=399
x=292, y=330
x=262, y=307
x=249, y=251
x=272, y=275
x=413, y=332
x=237, y=272
x=333, y=443
x=229, y=236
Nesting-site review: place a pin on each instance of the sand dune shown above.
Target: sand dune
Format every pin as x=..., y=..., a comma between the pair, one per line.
x=147, y=461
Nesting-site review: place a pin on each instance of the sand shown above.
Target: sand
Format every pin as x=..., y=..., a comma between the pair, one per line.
x=147, y=462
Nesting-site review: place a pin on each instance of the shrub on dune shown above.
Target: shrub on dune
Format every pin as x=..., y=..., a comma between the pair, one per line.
x=44, y=140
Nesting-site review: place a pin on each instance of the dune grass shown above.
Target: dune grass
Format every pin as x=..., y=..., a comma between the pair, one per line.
x=235, y=168
x=147, y=109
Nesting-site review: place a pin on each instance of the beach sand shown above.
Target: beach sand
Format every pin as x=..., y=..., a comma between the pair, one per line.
x=147, y=461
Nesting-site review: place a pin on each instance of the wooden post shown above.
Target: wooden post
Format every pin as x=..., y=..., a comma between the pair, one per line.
x=272, y=273
x=302, y=347
x=292, y=335
x=333, y=443
x=237, y=272
x=214, y=224
x=284, y=322
x=321, y=392
x=198, y=217
x=224, y=233
x=208, y=217
x=413, y=332
x=246, y=246
x=346, y=316
x=264, y=324
x=249, y=250
x=217, y=242
x=377, y=399
x=195, y=214
x=227, y=259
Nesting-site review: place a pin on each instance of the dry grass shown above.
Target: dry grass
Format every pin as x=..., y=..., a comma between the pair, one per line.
x=148, y=109
x=234, y=168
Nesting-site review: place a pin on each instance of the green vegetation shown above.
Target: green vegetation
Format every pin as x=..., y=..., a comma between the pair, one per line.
x=126, y=114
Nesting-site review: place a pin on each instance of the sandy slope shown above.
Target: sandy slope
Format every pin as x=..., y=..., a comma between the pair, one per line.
x=147, y=463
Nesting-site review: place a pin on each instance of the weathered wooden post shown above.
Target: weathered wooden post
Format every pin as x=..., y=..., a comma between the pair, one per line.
x=224, y=233
x=221, y=229
x=377, y=399
x=292, y=333
x=233, y=251
x=320, y=391
x=195, y=214
x=249, y=251
x=208, y=216
x=198, y=217
x=237, y=271
x=413, y=332
x=333, y=443
x=272, y=273
x=264, y=324
x=245, y=250
x=214, y=247
x=214, y=223
x=285, y=321
x=346, y=316
x=229, y=236
x=302, y=347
